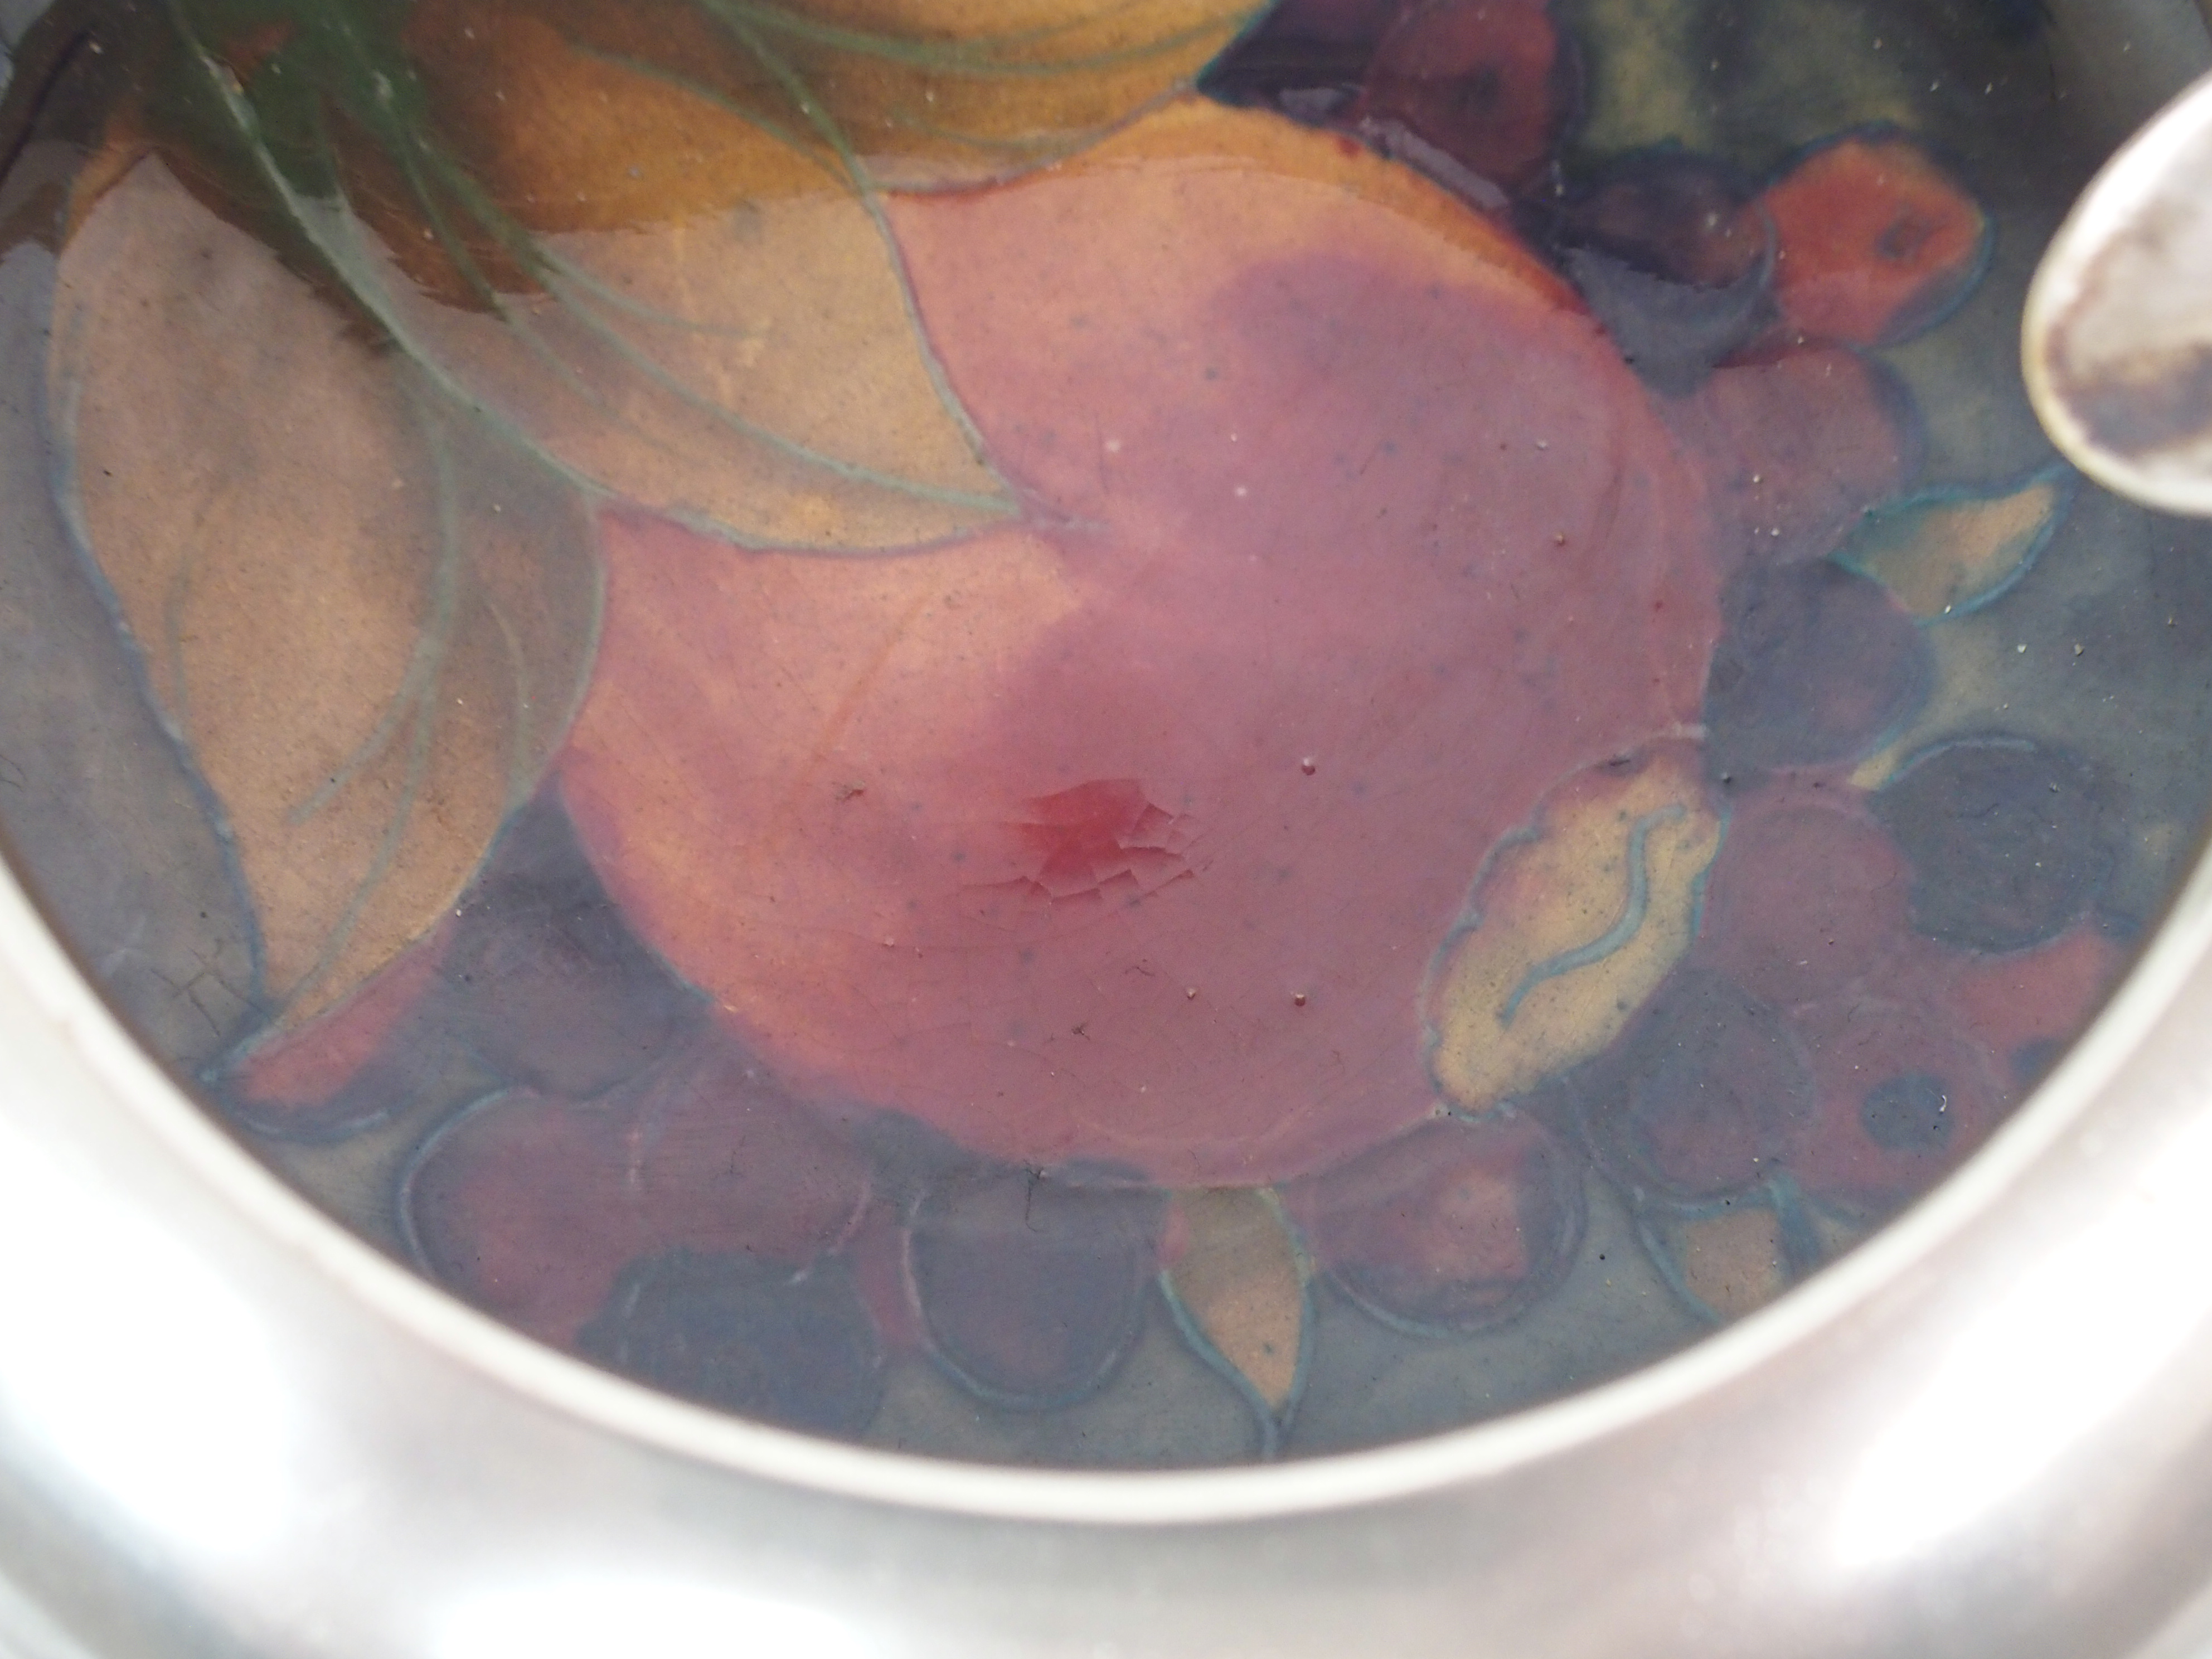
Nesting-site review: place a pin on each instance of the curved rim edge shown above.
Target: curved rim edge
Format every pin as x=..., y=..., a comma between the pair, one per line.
x=30, y=955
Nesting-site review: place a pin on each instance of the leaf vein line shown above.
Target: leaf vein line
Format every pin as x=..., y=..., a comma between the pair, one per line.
x=1630, y=923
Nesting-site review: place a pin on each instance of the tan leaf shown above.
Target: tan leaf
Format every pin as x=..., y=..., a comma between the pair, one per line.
x=367, y=624
x=1574, y=923
x=1952, y=551
x=1729, y=1264
x=682, y=306
x=1238, y=1289
x=1981, y=673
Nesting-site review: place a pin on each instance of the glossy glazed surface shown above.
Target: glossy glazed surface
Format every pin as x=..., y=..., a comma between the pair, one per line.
x=1141, y=776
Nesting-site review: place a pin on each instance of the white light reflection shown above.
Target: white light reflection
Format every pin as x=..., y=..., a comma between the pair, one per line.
x=2062, y=1351
x=136, y=1366
x=585, y=1618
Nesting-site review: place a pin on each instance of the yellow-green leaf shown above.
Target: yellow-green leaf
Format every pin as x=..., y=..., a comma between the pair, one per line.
x=1733, y=1257
x=1574, y=922
x=1238, y=1289
x=1980, y=673
x=366, y=624
x=1647, y=73
x=1778, y=76
x=1952, y=551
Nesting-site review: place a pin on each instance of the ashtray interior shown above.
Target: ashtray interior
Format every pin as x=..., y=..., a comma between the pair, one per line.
x=1130, y=734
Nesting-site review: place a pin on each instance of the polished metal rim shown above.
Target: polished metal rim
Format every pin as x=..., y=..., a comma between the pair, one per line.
x=2013, y=1376
x=2172, y=983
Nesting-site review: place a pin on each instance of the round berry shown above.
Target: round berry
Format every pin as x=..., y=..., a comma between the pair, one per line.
x=1032, y=1283
x=727, y=1329
x=2009, y=841
x=1816, y=664
x=1453, y=1227
x=1705, y=1095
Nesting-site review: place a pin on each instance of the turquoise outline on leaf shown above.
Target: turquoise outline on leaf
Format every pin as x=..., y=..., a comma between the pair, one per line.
x=1635, y=910
x=1895, y=545
x=1628, y=924
x=1274, y=1423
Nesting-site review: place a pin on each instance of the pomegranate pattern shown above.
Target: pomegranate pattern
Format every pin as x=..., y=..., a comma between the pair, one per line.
x=1174, y=736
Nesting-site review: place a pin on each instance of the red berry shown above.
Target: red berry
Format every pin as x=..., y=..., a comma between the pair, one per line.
x=1877, y=241
x=1454, y=1226
x=1807, y=896
x=731, y=1330
x=1796, y=446
x=1707, y=1094
x=1033, y=1284
x=531, y=1204
x=1905, y=1094
x=1490, y=84
x=545, y=978
x=1816, y=665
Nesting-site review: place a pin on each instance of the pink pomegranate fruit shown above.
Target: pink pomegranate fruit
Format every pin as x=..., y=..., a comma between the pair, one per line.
x=1126, y=832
